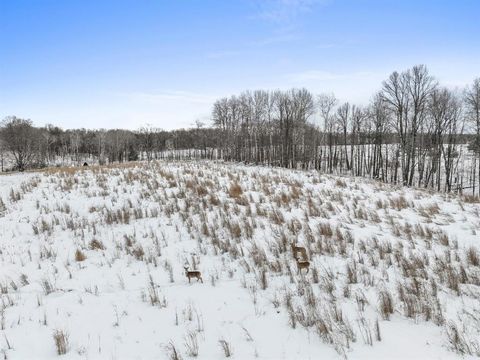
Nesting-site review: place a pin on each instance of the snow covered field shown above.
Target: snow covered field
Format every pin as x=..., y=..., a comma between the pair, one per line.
x=92, y=264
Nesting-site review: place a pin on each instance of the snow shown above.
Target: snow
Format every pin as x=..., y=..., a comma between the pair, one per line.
x=178, y=212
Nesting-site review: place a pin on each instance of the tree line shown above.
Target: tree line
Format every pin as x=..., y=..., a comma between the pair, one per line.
x=27, y=146
x=414, y=132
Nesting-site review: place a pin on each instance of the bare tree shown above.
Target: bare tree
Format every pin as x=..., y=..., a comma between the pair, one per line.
x=19, y=138
x=378, y=117
x=472, y=104
x=406, y=95
x=147, y=138
x=326, y=106
x=344, y=121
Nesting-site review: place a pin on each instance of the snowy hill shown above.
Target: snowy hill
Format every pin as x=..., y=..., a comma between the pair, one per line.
x=92, y=264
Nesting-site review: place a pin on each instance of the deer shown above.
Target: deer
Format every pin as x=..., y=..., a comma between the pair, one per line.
x=299, y=249
x=305, y=264
x=193, y=274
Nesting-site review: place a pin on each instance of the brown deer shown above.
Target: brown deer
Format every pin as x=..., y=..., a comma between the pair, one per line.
x=193, y=274
x=303, y=265
x=298, y=249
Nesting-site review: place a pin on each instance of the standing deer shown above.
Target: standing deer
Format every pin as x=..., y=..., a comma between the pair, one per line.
x=299, y=249
x=193, y=274
x=302, y=265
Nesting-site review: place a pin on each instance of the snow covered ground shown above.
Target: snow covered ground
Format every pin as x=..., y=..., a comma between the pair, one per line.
x=92, y=260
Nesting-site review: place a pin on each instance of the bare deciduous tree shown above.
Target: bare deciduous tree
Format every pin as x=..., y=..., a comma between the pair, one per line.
x=20, y=139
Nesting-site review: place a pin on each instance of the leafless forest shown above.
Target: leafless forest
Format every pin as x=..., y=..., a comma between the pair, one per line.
x=414, y=132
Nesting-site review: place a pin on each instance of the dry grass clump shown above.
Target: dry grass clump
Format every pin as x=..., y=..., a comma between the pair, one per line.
x=201, y=190
x=385, y=304
x=213, y=199
x=235, y=230
x=3, y=207
x=80, y=256
x=429, y=210
x=459, y=343
x=473, y=258
x=399, y=203
x=172, y=352
x=60, y=337
x=325, y=229
x=226, y=347
x=325, y=318
x=235, y=190
x=470, y=199
x=340, y=183
x=138, y=252
x=191, y=344
x=96, y=245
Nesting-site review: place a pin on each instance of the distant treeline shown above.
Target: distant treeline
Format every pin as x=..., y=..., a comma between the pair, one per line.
x=35, y=147
x=414, y=132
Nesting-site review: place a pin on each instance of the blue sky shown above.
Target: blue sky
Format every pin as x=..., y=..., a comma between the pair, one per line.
x=127, y=63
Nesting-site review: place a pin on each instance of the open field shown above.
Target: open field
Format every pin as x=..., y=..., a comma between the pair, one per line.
x=92, y=265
